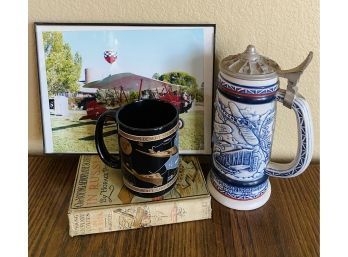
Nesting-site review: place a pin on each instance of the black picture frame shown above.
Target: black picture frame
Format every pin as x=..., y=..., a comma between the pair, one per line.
x=50, y=128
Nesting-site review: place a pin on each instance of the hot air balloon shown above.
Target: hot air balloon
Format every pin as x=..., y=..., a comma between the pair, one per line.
x=110, y=56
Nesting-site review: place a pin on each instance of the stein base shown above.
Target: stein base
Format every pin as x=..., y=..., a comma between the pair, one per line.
x=237, y=204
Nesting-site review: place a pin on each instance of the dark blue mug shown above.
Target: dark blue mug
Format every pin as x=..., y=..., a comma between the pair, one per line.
x=148, y=142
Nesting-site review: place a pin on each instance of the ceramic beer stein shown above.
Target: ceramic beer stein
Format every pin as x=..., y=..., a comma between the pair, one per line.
x=245, y=111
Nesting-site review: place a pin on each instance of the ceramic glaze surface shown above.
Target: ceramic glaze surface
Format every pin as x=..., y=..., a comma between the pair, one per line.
x=243, y=131
x=245, y=110
x=245, y=113
x=232, y=87
x=148, y=140
x=236, y=192
x=242, y=138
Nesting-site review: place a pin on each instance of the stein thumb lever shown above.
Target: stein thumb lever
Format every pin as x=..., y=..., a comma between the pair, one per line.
x=293, y=76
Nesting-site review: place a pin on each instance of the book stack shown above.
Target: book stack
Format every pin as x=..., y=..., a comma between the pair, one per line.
x=101, y=203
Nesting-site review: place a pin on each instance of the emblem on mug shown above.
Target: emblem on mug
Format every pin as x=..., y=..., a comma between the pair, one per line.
x=125, y=146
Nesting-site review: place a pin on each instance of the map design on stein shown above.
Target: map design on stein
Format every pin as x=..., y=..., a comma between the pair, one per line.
x=242, y=138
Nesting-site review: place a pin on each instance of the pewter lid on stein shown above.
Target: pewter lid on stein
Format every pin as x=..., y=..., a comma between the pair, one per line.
x=249, y=65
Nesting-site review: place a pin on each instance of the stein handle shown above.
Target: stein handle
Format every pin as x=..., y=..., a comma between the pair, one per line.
x=305, y=140
x=107, y=158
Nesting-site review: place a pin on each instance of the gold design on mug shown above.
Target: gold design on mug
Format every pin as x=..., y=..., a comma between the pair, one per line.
x=149, y=190
x=154, y=178
x=148, y=138
x=160, y=154
x=125, y=146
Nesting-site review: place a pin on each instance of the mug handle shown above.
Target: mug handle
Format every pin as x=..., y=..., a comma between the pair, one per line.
x=305, y=140
x=107, y=158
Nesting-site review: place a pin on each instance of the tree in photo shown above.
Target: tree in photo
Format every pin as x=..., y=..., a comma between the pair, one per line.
x=187, y=82
x=156, y=75
x=63, y=69
x=109, y=97
x=113, y=97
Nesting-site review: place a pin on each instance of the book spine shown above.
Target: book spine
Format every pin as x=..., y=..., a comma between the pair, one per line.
x=138, y=216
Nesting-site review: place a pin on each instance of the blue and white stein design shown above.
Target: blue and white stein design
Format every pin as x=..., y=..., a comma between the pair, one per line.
x=245, y=111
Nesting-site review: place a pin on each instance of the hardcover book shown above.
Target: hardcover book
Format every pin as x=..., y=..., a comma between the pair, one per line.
x=101, y=203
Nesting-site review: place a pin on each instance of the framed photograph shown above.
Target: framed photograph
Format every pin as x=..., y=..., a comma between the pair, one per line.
x=86, y=69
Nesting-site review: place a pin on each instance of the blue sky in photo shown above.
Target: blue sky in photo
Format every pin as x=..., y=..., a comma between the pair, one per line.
x=143, y=52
